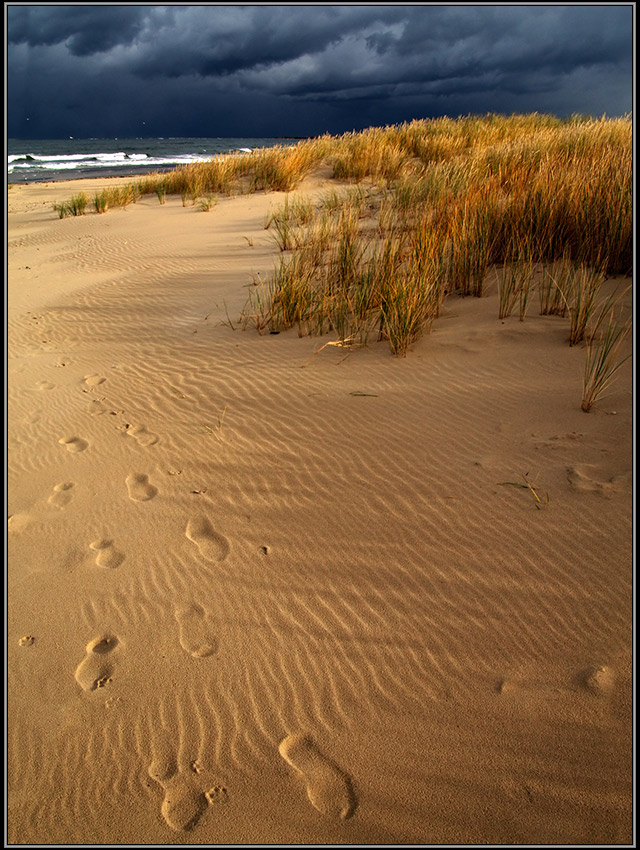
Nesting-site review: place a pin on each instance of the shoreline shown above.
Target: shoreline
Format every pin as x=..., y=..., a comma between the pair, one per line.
x=104, y=174
x=136, y=164
x=267, y=590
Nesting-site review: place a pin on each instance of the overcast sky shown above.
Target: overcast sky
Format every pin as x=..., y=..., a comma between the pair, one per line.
x=303, y=70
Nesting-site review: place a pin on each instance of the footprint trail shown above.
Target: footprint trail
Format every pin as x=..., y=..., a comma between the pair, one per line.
x=183, y=804
x=93, y=380
x=61, y=495
x=212, y=546
x=95, y=670
x=194, y=634
x=107, y=556
x=328, y=788
x=139, y=488
x=74, y=444
x=142, y=436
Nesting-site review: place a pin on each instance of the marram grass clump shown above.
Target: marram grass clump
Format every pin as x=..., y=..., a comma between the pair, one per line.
x=562, y=186
x=603, y=361
x=422, y=210
x=76, y=205
x=523, y=192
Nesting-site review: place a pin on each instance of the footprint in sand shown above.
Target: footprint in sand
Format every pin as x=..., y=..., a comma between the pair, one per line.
x=97, y=407
x=183, y=804
x=139, y=488
x=107, y=556
x=194, y=633
x=598, y=680
x=212, y=546
x=74, y=444
x=95, y=670
x=18, y=522
x=61, y=495
x=45, y=385
x=587, y=479
x=93, y=380
x=328, y=788
x=142, y=436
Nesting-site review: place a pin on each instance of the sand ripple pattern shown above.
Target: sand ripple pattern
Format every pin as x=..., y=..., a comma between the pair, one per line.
x=311, y=593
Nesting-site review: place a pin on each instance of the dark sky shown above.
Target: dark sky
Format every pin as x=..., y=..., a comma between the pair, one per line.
x=298, y=70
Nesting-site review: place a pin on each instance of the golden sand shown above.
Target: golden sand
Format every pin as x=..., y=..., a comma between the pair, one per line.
x=260, y=596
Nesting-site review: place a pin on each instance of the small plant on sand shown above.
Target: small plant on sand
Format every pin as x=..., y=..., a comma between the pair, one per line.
x=119, y=196
x=161, y=192
x=62, y=210
x=101, y=201
x=554, y=282
x=602, y=361
x=540, y=503
x=405, y=312
x=257, y=309
x=302, y=210
x=282, y=229
x=76, y=205
x=205, y=204
x=514, y=286
x=581, y=298
x=525, y=285
x=331, y=202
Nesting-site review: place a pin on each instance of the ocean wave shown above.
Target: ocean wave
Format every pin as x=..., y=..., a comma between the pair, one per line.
x=75, y=158
x=78, y=160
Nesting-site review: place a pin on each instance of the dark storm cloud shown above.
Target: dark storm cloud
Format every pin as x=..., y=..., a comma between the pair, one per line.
x=266, y=70
x=452, y=48
x=84, y=29
x=512, y=38
x=205, y=40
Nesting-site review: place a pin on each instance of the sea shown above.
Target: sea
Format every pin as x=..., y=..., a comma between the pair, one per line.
x=43, y=160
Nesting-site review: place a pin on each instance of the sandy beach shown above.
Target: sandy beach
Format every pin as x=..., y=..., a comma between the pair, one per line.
x=262, y=592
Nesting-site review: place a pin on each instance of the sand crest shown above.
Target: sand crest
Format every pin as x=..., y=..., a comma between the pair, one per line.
x=265, y=593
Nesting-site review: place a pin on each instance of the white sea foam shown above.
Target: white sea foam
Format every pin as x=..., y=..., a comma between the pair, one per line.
x=90, y=157
x=18, y=162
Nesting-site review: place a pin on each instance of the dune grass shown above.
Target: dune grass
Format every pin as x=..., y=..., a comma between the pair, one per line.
x=603, y=361
x=564, y=186
x=76, y=205
x=207, y=202
x=514, y=285
x=101, y=201
x=555, y=282
x=519, y=192
x=580, y=294
x=422, y=210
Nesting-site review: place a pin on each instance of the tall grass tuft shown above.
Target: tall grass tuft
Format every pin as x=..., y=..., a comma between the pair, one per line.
x=564, y=186
x=582, y=289
x=436, y=203
x=514, y=285
x=207, y=202
x=602, y=361
x=76, y=205
x=101, y=201
x=405, y=310
x=553, y=283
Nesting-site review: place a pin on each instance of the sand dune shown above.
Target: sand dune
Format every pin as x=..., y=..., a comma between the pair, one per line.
x=262, y=596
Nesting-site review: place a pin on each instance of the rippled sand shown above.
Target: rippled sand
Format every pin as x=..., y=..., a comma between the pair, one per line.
x=261, y=596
